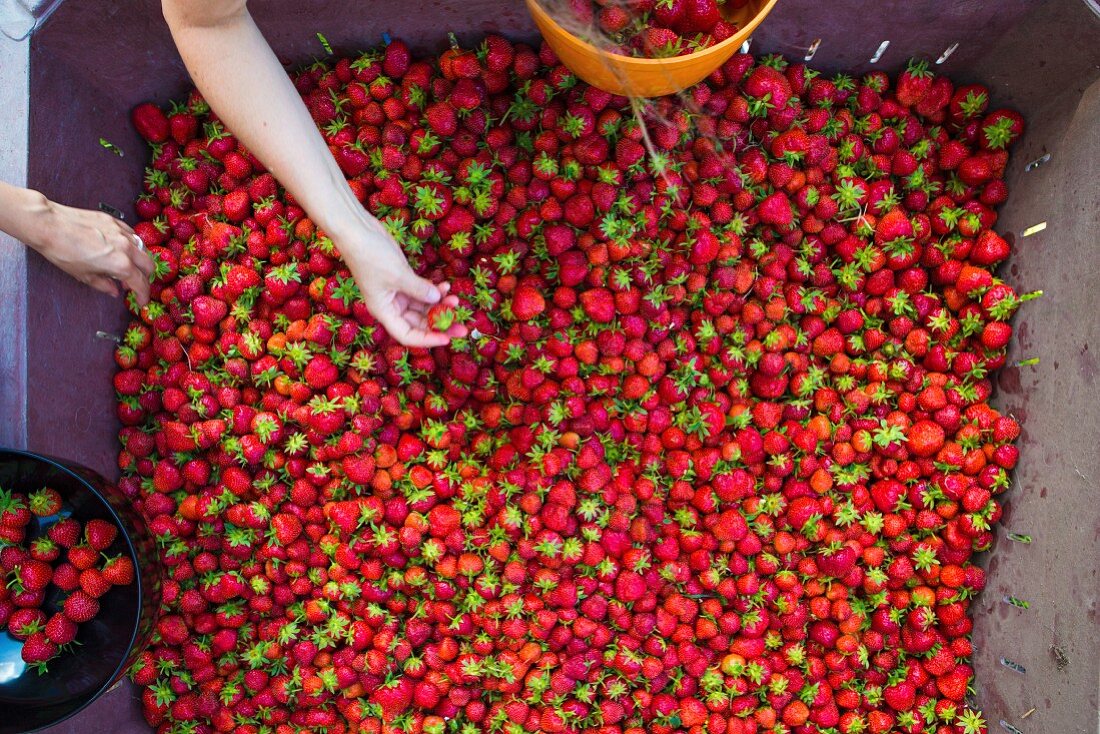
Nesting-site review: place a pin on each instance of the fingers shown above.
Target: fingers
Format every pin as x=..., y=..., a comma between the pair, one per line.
x=139, y=257
x=103, y=285
x=419, y=289
x=407, y=334
x=417, y=337
x=138, y=282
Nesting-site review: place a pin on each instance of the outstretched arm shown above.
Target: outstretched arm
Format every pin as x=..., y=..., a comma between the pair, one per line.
x=243, y=82
x=93, y=247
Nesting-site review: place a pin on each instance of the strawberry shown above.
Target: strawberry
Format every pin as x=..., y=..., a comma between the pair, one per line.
x=37, y=649
x=701, y=16
x=900, y=696
x=441, y=317
x=989, y=249
x=35, y=575
x=14, y=512
x=968, y=102
x=80, y=607
x=60, y=630
x=660, y=43
x=208, y=311
x=66, y=577
x=44, y=502
x=24, y=622
x=44, y=549
x=1000, y=129
x=83, y=557
x=954, y=684
x=671, y=14
x=150, y=122
x=93, y=583
x=925, y=438
x=914, y=83
x=776, y=210
x=527, y=303
x=100, y=534
x=118, y=571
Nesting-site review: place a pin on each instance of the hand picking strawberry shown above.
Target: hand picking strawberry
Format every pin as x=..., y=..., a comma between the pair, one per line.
x=93, y=247
x=241, y=79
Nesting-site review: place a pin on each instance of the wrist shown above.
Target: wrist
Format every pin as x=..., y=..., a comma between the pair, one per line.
x=346, y=222
x=25, y=215
x=40, y=213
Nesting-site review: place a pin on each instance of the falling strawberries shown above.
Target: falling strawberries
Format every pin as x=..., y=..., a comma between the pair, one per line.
x=715, y=455
x=648, y=28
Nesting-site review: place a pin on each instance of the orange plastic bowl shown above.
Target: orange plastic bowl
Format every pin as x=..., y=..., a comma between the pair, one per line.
x=637, y=77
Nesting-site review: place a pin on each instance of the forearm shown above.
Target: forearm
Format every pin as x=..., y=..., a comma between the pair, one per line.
x=243, y=82
x=22, y=212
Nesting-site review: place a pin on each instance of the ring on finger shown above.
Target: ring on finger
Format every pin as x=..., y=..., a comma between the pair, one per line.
x=137, y=241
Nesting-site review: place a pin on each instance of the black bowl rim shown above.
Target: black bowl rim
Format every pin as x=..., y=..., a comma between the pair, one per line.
x=120, y=669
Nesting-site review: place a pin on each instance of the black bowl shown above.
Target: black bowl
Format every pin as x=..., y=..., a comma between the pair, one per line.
x=109, y=643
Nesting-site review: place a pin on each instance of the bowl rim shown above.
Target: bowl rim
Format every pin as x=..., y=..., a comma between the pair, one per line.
x=120, y=669
x=540, y=13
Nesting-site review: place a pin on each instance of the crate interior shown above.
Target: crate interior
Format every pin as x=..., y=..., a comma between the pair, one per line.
x=91, y=62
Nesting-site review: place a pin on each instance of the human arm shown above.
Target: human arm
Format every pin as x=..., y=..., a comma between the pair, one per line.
x=93, y=247
x=242, y=81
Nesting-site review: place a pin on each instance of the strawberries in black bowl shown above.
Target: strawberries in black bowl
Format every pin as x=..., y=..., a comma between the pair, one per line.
x=79, y=588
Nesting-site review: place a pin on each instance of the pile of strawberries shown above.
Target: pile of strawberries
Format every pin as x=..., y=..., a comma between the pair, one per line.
x=715, y=456
x=59, y=569
x=655, y=29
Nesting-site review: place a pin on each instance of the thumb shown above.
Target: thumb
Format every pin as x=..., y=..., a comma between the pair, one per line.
x=420, y=289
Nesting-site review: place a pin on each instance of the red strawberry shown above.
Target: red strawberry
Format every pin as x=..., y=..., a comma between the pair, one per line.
x=989, y=249
x=670, y=13
x=150, y=122
x=66, y=577
x=900, y=696
x=776, y=210
x=80, y=607
x=660, y=43
x=38, y=649
x=527, y=303
x=44, y=502
x=894, y=226
x=1000, y=129
x=60, y=630
x=99, y=534
x=393, y=698
x=208, y=311
x=35, y=574
x=925, y=438
x=701, y=16
x=44, y=549
x=14, y=512
x=975, y=170
x=93, y=583
x=441, y=317
x=119, y=571
x=954, y=684
x=914, y=83
x=598, y=305
x=968, y=102
x=83, y=557
x=25, y=622
x=768, y=84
